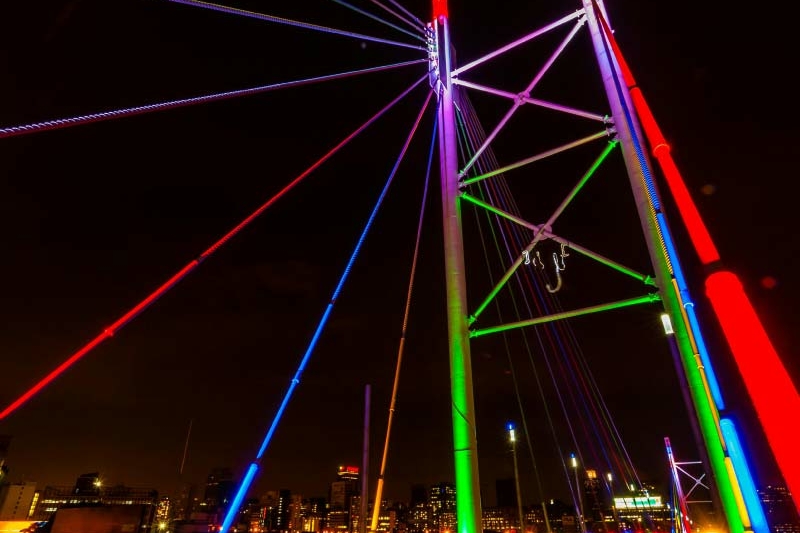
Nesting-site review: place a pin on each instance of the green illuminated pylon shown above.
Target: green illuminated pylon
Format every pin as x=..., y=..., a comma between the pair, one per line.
x=664, y=259
x=468, y=504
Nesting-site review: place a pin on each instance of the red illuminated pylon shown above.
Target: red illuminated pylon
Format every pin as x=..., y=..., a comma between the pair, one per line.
x=768, y=383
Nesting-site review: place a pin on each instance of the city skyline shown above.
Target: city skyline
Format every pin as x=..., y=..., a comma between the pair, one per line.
x=97, y=216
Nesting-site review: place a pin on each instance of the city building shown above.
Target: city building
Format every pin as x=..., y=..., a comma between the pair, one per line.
x=779, y=509
x=86, y=492
x=16, y=500
x=342, y=492
x=645, y=512
x=442, y=501
x=219, y=490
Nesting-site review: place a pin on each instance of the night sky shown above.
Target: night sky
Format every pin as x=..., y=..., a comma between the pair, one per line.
x=93, y=218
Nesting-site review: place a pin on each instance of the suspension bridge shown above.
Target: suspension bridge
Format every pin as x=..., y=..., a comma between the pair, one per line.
x=529, y=251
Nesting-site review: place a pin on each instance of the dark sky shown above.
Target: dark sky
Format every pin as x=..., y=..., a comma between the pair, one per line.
x=93, y=218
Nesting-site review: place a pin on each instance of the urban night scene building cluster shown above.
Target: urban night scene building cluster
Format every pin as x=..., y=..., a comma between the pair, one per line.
x=520, y=267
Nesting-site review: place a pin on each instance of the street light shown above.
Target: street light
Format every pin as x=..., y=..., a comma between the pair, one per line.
x=512, y=438
x=574, y=463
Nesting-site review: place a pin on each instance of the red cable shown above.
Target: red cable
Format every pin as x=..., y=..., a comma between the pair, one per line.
x=144, y=304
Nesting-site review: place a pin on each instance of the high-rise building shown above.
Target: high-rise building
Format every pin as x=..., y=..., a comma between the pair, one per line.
x=341, y=495
x=16, y=500
x=219, y=490
x=188, y=501
x=282, y=510
x=594, y=506
x=442, y=502
x=313, y=514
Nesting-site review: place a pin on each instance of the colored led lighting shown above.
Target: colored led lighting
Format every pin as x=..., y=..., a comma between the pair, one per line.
x=144, y=304
x=664, y=263
x=770, y=388
x=667, y=323
x=233, y=510
x=752, y=502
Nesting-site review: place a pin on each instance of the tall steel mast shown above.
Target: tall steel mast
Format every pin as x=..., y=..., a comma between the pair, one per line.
x=468, y=504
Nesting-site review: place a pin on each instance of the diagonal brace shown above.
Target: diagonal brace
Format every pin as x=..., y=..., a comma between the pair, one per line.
x=649, y=298
x=533, y=101
x=539, y=157
x=644, y=278
x=527, y=92
x=540, y=233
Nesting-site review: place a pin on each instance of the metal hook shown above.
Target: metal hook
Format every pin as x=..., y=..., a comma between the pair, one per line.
x=562, y=266
x=537, y=261
x=557, y=288
x=564, y=250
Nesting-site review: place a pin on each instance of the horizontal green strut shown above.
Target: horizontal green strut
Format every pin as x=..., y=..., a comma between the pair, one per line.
x=539, y=234
x=644, y=278
x=650, y=298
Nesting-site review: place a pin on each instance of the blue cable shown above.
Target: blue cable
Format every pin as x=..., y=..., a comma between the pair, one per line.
x=741, y=467
x=233, y=510
x=672, y=254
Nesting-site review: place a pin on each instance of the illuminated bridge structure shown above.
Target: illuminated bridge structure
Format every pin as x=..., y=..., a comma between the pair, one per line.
x=531, y=255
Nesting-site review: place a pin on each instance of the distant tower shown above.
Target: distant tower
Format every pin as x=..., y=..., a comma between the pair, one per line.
x=342, y=491
x=282, y=510
x=593, y=496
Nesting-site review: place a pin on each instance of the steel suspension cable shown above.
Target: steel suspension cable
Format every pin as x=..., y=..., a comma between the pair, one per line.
x=233, y=510
x=489, y=191
x=597, y=405
x=171, y=282
x=402, y=8
x=565, y=349
x=295, y=23
x=401, y=346
x=592, y=390
x=416, y=25
x=474, y=139
x=13, y=131
x=467, y=153
x=379, y=19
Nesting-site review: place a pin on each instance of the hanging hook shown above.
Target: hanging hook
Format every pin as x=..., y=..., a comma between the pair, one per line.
x=557, y=288
x=562, y=266
x=537, y=261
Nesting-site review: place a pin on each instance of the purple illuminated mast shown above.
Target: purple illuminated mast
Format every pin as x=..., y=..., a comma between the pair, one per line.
x=468, y=505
